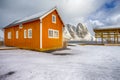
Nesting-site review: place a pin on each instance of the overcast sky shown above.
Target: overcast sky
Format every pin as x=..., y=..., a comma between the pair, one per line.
x=93, y=13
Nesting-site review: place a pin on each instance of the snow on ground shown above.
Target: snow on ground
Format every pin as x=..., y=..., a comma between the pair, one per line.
x=78, y=63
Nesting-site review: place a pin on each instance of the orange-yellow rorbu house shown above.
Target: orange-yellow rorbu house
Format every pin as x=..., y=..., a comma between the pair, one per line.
x=42, y=31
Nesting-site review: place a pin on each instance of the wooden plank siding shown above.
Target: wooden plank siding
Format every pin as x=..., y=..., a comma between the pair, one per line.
x=49, y=43
x=21, y=42
x=40, y=36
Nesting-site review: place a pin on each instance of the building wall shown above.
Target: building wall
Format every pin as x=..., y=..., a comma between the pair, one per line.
x=9, y=42
x=109, y=35
x=34, y=42
x=49, y=43
x=30, y=43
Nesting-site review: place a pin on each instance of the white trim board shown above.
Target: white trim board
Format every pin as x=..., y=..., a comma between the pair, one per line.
x=40, y=33
x=44, y=15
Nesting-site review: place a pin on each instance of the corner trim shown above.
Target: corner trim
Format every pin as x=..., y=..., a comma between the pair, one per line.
x=40, y=33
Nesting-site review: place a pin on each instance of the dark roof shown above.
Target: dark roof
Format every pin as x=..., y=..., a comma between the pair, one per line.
x=31, y=18
x=107, y=28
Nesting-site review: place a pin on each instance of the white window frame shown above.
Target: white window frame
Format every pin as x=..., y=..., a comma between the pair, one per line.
x=17, y=34
x=20, y=26
x=29, y=36
x=49, y=34
x=53, y=34
x=9, y=35
x=56, y=36
x=53, y=16
x=25, y=33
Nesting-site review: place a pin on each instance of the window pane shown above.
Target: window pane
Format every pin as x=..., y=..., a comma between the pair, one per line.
x=16, y=34
x=50, y=33
x=29, y=33
x=9, y=35
x=25, y=34
x=53, y=18
x=56, y=34
x=20, y=26
x=53, y=33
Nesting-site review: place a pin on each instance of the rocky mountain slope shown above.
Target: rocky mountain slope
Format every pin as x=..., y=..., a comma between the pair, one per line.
x=78, y=33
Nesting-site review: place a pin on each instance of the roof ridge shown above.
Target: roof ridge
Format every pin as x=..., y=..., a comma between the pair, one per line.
x=32, y=17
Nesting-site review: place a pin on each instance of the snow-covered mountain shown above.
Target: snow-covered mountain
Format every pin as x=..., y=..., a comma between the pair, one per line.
x=78, y=33
x=1, y=35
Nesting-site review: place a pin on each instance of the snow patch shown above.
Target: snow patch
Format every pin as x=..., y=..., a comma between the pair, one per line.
x=86, y=63
x=79, y=33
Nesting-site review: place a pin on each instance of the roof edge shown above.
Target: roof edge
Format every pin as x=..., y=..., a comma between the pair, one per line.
x=48, y=12
x=40, y=17
x=54, y=8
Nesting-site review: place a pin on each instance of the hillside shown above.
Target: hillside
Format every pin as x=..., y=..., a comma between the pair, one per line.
x=78, y=33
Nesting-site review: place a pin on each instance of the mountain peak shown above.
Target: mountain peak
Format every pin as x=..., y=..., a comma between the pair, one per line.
x=80, y=32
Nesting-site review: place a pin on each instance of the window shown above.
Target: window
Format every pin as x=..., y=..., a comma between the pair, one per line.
x=53, y=33
x=20, y=26
x=56, y=33
x=16, y=34
x=25, y=33
x=9, y=35
x=29, y=33
x=50, y=33
x=53, y=19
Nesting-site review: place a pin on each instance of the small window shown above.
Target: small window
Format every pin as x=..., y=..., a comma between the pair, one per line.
x=25, y=33
x=9, y=35
x=50, y=33
x=56, y=34
x=53, y=33
x=53, y=19
x=20, y=26
x=16, y=34
x=29, y=33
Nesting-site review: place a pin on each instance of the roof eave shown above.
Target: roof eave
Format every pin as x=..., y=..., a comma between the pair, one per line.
x=11, y=25
x=55, y=8
x=40, y=17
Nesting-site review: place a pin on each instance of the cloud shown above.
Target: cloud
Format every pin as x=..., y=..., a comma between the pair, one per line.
x=96, y=23
x=68, y=8
x=11, y=10
x=93, y=13
x=80, y=7
x=77, y=9
x=105, y=16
